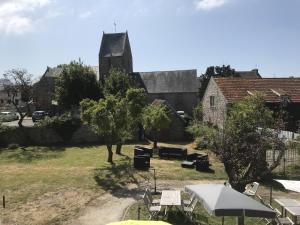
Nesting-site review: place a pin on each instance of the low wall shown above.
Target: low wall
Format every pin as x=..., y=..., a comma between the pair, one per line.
x=46, y=136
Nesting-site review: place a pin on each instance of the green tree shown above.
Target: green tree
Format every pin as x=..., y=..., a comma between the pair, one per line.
x=19, y=87
x=108, y=118
x=155, y=119
x=77, y=82
x=243, y=141
x=117, y=83
x=215, y=71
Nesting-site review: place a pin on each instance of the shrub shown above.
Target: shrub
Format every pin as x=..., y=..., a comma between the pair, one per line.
x=3, y=132
x=64, y=125
x=13, y=146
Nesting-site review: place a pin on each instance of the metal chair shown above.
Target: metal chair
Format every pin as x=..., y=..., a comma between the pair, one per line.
x=152, y=209
x=188, y=210
x=189, y=201
x=149, y=195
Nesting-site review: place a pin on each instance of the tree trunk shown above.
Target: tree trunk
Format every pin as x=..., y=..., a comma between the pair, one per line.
x=20, y=122
x=155, y=141
x=240, y=187
x=110, y=154
x=119, y=148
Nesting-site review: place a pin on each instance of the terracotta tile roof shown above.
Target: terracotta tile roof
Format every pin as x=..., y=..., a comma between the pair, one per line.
x=235, y=89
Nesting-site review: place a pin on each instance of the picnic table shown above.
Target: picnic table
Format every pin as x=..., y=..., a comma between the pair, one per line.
x=290, y=205
x=294, y=211
x=286, y=202
x=170, y=198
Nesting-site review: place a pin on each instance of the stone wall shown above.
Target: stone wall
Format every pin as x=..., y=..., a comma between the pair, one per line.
x=215, y=115
x=46, y=136
x=179, y=101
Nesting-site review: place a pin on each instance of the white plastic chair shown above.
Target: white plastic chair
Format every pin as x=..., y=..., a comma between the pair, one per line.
x=251, y=189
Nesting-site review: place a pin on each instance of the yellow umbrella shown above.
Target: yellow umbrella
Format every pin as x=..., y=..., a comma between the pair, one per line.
x=139, y=222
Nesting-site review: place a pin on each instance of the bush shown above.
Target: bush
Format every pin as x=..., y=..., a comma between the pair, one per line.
x=3, y=132
x=13, y=146
x=203, y=134
x=64, y=125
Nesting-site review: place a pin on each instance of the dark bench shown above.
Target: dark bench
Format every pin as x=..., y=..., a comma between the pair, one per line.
x=169, y=152
x=141, y=162
x=139, y=150
x=200, y=160
x=196, y=156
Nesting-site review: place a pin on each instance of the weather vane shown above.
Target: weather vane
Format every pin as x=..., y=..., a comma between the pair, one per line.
x=115, y=27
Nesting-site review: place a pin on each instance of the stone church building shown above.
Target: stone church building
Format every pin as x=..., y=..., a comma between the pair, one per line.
x=179, y=88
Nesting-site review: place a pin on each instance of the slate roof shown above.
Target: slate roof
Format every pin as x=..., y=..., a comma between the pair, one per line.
x=252, y=74
x=236, y=89
x=113, y=45
x=178, y=81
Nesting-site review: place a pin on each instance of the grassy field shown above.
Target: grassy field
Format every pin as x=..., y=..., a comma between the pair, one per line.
x=32, y=178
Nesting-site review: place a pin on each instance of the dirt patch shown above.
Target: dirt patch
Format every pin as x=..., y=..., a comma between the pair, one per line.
x=108, y=208
x=50, y=208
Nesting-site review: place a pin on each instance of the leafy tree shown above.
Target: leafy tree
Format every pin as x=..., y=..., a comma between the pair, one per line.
x=117, y=83
x=155, y=119
x=77, y=82
x=19, y=85
x=198, y=113
x=108, y=118
x=215, y=71
x=244, y=140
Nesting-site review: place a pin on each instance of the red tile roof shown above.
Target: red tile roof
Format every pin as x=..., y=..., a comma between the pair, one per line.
x=235, y=89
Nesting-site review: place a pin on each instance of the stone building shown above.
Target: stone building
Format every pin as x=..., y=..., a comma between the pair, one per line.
x=115, y=52
x=279, y=93
x=179, y=88
x=44, y=90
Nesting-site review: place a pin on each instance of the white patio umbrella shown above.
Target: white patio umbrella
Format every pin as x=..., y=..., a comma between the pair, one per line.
x=220, y=200
x=292, y=185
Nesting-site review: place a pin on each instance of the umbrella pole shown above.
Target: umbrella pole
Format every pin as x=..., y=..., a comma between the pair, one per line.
x=271, y=193
x=241, y=220
x=223, y=220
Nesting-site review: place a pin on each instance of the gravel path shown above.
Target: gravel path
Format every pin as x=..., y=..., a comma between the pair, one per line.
x=110, y=207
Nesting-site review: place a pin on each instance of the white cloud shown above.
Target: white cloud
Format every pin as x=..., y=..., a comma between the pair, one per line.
x=85, y=14
x=16, y=16
x=209, y=4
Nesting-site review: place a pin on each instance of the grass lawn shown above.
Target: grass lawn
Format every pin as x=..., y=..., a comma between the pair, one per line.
x=47, y=185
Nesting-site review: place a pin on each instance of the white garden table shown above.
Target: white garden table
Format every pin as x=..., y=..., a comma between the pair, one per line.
x=170, y=199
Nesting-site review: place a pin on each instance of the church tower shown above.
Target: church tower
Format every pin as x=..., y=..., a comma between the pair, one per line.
x=115, y=52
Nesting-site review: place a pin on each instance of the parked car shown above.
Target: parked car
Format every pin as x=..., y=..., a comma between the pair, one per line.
x=8, y=116
x=38, y=115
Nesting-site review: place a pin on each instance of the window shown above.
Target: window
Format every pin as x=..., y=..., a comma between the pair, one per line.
x=212, y=101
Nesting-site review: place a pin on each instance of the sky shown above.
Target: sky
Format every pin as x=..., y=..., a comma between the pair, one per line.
x=164, y=34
